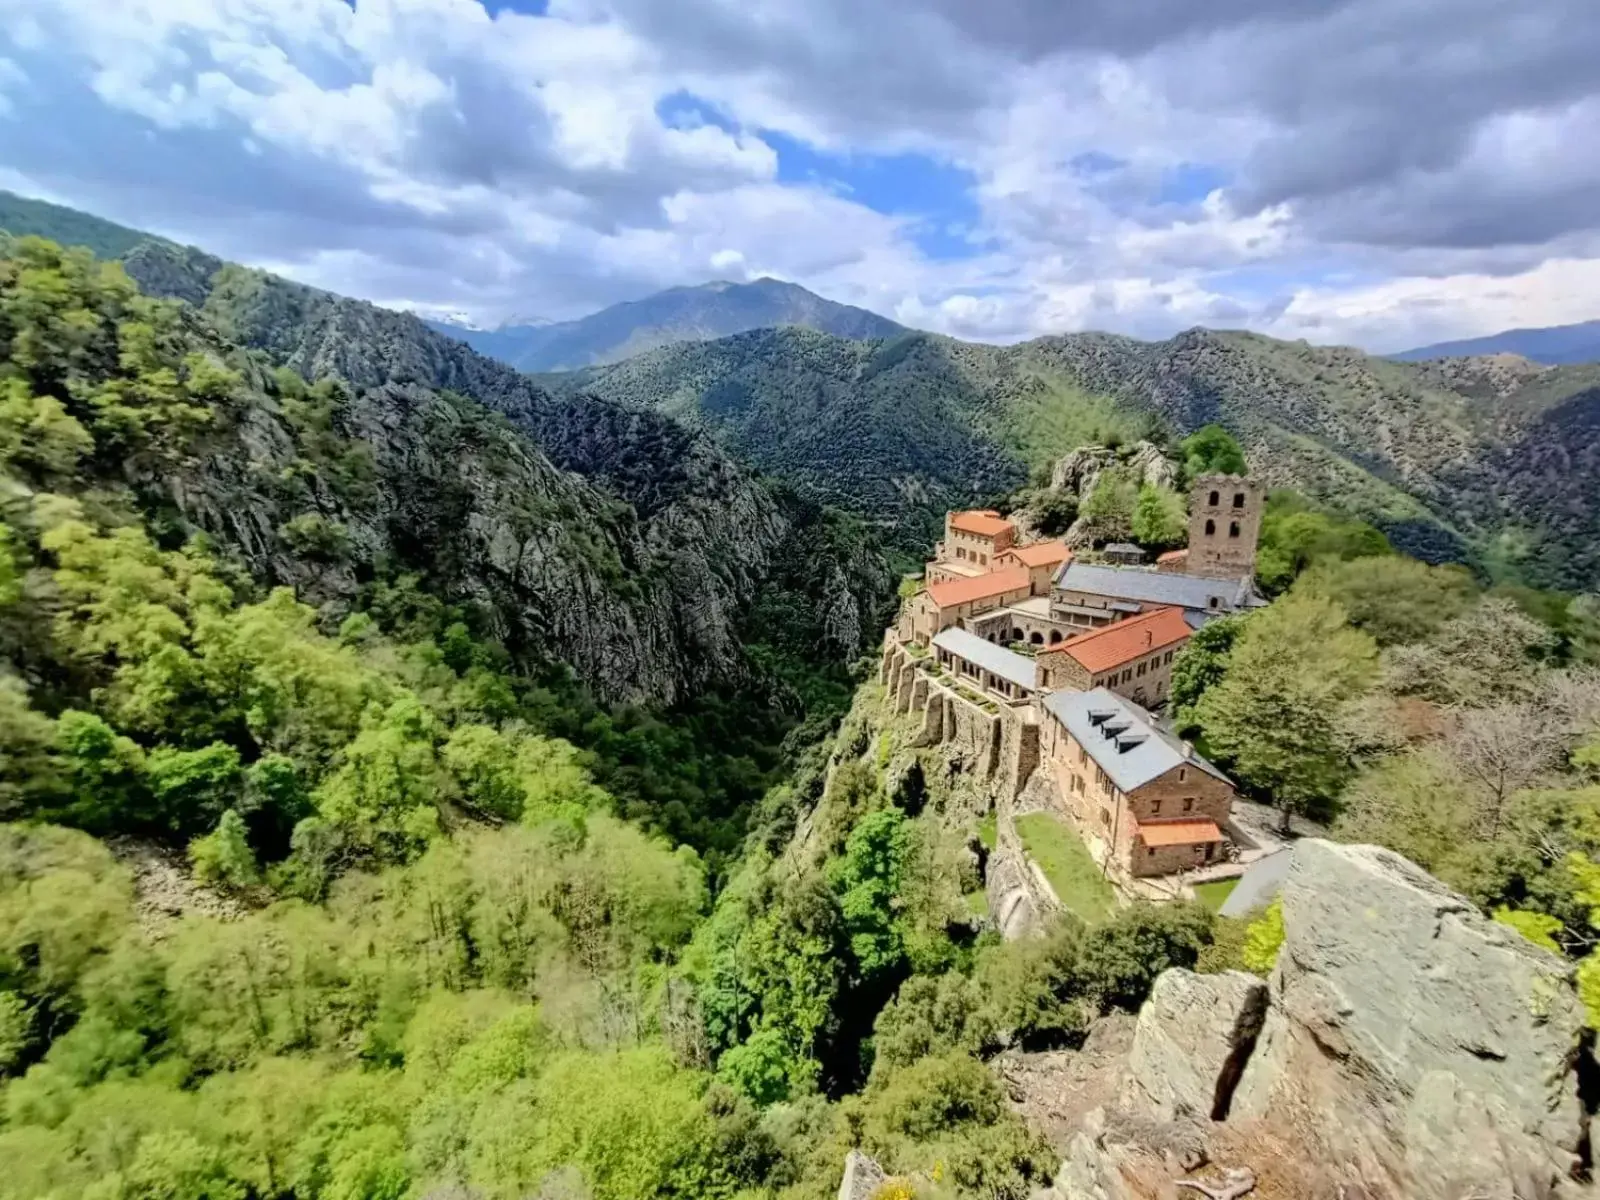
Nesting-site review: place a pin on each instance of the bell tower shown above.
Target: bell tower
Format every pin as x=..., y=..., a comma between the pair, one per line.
x=1224, y=525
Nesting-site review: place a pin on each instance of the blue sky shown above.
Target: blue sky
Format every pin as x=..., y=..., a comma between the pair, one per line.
x=995, y=172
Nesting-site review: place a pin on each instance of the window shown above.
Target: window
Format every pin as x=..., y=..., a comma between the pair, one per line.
x=1105, y=818
x=1083, y=755
x=1215, y=499
x=1127, y=675
x=1238, y=499
x=1183, y=773
x=983, y=559
x=1211, y=527
x=1233, y=529
x=1188, y=804
x=960, y=553
x=1141, y=670
x=1168, y=657
x=1155, y=808
x=1210, y=849
x=1150, y=851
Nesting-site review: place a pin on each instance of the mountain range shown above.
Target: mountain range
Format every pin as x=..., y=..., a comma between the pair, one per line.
x=681, y=314
x=1554, y=345
x=1492, y=460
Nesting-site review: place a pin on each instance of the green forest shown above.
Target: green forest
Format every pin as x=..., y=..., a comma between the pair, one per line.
x=458, y=928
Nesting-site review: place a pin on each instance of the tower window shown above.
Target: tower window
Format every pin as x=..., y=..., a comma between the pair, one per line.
x=1211, y=526
x=1215, y=499
x=1238, y=499
x=1233, y=529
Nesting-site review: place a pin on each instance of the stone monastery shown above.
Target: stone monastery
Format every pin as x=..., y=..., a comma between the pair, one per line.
x=1050, y=667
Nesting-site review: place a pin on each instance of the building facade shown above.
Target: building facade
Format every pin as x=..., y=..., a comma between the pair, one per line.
x=1132, y=658
x=953, y=603
x=1155, y=806
x=1224, y=526
x=975, y=538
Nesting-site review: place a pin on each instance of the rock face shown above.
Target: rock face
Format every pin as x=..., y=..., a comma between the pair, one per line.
x=1409, y=1049
x=862, y=1177
x=1195, y=1034
x=1431, y=1051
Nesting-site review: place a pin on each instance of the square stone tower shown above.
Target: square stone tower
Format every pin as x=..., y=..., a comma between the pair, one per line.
x=1224, y=526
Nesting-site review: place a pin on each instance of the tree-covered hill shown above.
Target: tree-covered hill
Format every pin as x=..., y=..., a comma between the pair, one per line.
x=680, y=314
x=1446, y=457
x=106, y=239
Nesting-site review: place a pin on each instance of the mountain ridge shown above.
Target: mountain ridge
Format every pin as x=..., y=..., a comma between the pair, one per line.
x=1551, y=345
x=698, y=312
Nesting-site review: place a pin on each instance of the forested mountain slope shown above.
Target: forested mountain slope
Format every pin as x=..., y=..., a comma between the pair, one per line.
x=711, y=310
x=1445, y=456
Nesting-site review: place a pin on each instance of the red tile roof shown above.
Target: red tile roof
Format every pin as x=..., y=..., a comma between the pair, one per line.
x=984, y=522
x=1178, y=833
x=1125, y=641
x=1172, y=556
x=981, y=587
x=1041, y=554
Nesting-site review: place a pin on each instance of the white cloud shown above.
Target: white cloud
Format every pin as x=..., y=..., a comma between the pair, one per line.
x=424, y=153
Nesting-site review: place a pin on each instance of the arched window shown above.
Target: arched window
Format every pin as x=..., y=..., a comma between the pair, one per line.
x=1055, y=636
x=1016, y=635
x=1036, y=638
x=1211, y=526
x=1233, y=529
x=1215, y=499
x=1238, y=499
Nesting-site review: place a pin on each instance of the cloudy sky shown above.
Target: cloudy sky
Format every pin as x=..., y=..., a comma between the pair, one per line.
x=1381, y=172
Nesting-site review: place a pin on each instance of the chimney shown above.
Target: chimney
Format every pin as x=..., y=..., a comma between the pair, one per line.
x=1149, y=636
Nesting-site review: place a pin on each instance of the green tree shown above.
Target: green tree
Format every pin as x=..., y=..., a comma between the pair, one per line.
x=1212, y=450
x=1109, y=507
x=1294, y=535
x=1201, y=665
x=868, y=880
x=1393, y=598
x=1276, y=717
x=223, y=857
x=1159, y=518
x=1264, y=939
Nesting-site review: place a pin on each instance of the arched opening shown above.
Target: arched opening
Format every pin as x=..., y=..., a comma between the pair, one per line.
x=1036, y=638
x=1211, y=526
x=1215, y=499
x=1233, y=529
x=1238, y=499
x=1055, y=636
x=1016, y=635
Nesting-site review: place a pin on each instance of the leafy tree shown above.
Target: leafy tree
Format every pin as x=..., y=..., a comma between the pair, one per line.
x=868, y=879
x=223, y=857
x=1120, y=959
x=1109, y=506
x=1201, y=665
x=1159, y=518
x=1054, y=510
x=1276, y=715
x=1294, y=535
x=1393, y=598
x=1416, y=803
x=1483, y=655
x=1212, y=450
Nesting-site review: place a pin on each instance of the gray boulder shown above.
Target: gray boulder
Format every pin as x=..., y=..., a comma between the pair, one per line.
x=862, y=1176
x=1428, y=1050
x=1194, y=1035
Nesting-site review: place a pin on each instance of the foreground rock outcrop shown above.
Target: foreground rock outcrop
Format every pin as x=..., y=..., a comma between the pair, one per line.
x=1404, y=1047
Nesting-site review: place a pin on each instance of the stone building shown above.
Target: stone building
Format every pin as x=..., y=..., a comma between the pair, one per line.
x=1089, y=595
x=1224, y=526
x=1043, y=560
x=975, y=537
x=1003, y=673
x=1122, y=554
x=1152, y=804
x=1132, y=658
x=954, y=602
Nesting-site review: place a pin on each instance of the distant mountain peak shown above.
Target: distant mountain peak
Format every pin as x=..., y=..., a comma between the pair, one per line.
x=1554, y=345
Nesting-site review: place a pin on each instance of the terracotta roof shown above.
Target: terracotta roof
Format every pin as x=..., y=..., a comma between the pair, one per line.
x=1125, y=641
x=984, y=522
x=1041, y=554
x=1172, y=556
x=995, y=583
x=1178, y=833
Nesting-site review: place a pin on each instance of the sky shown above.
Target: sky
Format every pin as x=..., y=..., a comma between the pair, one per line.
x=1383, y=173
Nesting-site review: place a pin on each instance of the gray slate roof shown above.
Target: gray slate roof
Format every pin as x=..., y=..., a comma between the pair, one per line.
x=1157, y=587
x=1007, y=664
x=1150, y=751
x=1258, y=886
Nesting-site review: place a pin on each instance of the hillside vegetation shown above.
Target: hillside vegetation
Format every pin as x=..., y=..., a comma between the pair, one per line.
x=1490, y=461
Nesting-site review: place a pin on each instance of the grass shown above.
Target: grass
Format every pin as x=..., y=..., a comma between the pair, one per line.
x=988, y=832
x=1214, y=893
x=1065, y=861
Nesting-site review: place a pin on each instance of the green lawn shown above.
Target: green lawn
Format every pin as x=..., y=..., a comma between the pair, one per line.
x=1065, y=861
x=1214, y=893
x=987, y=833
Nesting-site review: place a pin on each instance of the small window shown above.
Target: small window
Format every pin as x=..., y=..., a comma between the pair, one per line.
x=1155, y=808
x=1141, y=670
x=1183, y=773
x=1150, y=851
x=1188, y=804
x=1238, y=499
x=1210, y=849
x=1211, y=526
x=1215, y=499
x=1167, y=657
x=1105, y=817
x=960, y=553
x=983, y=559
x=1233, y=529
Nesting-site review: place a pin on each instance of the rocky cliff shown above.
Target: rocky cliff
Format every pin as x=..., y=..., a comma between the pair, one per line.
x=615, y=539
x=1404, y=1046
